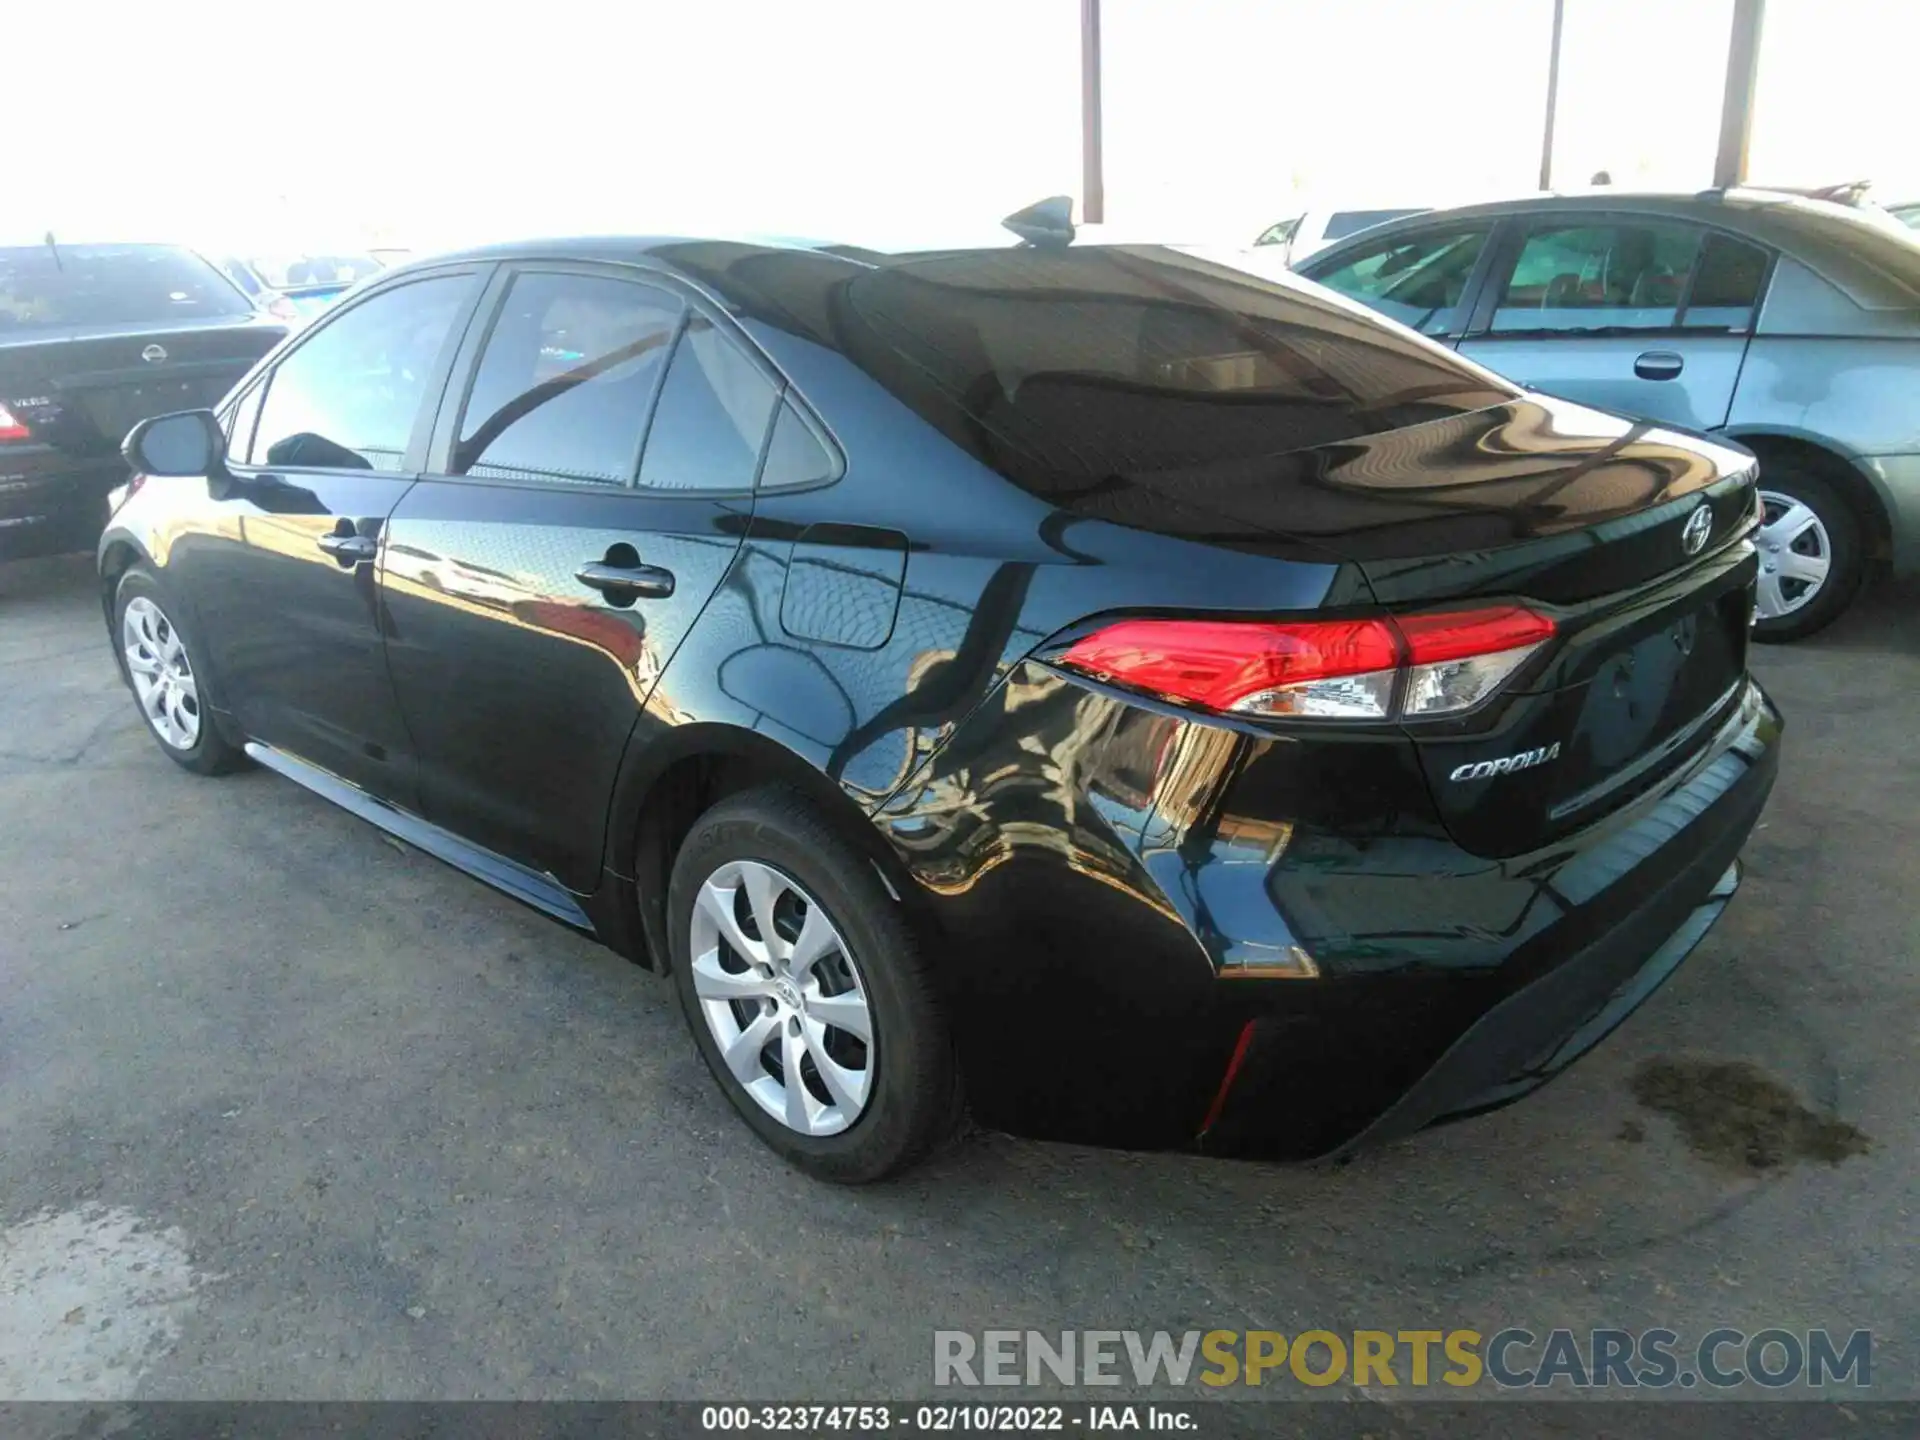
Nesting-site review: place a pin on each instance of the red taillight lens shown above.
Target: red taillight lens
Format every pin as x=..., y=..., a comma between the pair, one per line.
x=1321, y=667
x=1324, y=669
x=10, y=428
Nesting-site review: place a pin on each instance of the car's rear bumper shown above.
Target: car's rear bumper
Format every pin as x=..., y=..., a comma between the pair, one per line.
x=1558, y=997
x=51, y=510
x=1132, y=958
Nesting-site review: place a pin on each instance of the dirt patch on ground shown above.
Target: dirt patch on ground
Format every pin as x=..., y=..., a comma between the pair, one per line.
x=1736, y=1116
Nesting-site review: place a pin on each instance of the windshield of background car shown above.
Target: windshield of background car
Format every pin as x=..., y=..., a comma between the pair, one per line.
x=85, y=285
x=1281, y=233
x=290, y=272
x=1070, y=369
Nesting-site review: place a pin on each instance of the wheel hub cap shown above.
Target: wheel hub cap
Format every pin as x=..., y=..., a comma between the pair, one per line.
x=163, y=680
x=1796, y=554
x=782, y=998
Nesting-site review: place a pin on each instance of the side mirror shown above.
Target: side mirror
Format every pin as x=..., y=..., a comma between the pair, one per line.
x=189, y=442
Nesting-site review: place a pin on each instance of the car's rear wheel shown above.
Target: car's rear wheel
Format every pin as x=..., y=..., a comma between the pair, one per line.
x=1811, y=558
x=806, y=991
x=161, y=665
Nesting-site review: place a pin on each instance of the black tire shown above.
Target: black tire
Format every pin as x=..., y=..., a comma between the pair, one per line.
x=209, y=753
x=1847, y=559
x=913, y=1103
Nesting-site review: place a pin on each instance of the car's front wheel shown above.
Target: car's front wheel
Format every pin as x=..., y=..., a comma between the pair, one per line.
x=162, y=668
x=1811, y=556
x=806, y=990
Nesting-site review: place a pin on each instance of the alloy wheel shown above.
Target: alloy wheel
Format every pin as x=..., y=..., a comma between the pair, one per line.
x=782, y=997
x=1796, y=555
x=163, y=680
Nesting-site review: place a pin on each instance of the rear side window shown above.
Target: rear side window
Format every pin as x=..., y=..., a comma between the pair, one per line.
x=795, y=455
x=347, y=397
x=567, y=380
x=1418, y=280
x=1726, y=285
x=74, y=286
x=711, y=425
x=1598, y=277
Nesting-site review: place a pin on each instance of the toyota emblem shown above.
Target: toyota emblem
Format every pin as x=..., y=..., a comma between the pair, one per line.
x=154, y=354
x=1693, y=535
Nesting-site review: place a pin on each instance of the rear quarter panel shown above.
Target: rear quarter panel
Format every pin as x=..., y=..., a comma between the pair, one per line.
x=1859, y=395
x=989, y=573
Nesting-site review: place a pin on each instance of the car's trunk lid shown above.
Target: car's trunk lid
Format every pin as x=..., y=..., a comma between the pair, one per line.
x=1630, y=536
x=82, y=390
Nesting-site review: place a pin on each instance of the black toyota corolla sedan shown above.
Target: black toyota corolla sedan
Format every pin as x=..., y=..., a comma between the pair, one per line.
x=1136, y=701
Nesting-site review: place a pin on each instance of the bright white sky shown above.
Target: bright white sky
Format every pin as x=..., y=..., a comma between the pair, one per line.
x=273, y=123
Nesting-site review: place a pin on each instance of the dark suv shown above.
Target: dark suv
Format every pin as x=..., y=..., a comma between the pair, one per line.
x=1152, y=704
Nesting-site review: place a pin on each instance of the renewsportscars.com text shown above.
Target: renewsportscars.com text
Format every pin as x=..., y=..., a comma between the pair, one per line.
x=1512, y=1358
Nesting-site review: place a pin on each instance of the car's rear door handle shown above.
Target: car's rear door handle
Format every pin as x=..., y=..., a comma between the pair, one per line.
x=349, y=549
x=626, y=582
x=1658, y=365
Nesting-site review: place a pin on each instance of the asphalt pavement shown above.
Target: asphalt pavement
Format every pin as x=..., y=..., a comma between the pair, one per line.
x=289, y=1110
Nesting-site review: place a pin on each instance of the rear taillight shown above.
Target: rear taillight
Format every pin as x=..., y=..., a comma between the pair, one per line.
x=10, y=428
x=1414, y=666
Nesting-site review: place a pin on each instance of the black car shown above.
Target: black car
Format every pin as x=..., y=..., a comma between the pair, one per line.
x=92, y=339
x=1149, y=704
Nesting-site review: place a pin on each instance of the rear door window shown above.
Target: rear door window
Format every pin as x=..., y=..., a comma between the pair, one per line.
x=76, y=286
x=1609, y=276
x=1419, y=280
x=348, y=396
x=567, y=380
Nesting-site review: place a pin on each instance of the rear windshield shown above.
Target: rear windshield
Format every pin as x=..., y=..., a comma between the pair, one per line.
x=1068, y=370
x=81, y=285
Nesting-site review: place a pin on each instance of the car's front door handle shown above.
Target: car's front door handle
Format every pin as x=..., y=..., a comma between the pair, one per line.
x=1658, y=365
x=626, y=582
x=349, y=549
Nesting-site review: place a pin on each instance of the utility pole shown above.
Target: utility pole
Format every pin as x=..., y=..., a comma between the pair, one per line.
x=1553, y=96
x=1093, y=187
x=1736, y=109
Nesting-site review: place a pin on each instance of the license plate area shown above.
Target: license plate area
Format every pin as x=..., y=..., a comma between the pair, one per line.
x=1646, y=692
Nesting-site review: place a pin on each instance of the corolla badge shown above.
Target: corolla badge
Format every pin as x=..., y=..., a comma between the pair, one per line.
x=1507, y=764
x=1693, y=535
x=154, y=354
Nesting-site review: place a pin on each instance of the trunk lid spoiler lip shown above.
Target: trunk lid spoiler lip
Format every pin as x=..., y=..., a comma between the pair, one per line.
x=1506, y=470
